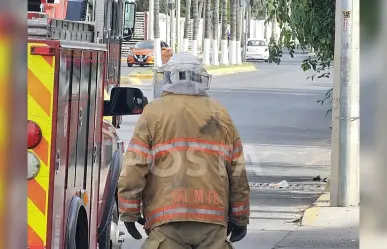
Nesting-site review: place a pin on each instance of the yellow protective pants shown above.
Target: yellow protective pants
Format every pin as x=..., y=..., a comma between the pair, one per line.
x=188, y=235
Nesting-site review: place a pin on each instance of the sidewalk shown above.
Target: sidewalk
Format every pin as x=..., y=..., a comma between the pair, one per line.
x=325, y=227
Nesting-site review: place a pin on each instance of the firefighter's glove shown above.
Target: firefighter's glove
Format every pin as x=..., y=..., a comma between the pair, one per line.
x=142, y=221
x=237, y=232
x=132, y=230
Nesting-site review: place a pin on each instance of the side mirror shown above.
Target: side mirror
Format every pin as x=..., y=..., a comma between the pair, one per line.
x=125, y=101
x=129, y=20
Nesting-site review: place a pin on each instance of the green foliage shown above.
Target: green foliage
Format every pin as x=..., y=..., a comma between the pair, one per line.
x=275, y=54
x=258, y=9
x=312, y=23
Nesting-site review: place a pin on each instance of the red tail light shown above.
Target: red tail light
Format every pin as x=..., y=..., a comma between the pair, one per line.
x=34, y=134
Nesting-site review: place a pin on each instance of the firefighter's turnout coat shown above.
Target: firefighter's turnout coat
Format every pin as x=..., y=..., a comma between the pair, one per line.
x=184, y=163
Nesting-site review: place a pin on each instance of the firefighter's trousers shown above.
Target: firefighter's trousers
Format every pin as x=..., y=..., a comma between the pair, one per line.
x=188, y=235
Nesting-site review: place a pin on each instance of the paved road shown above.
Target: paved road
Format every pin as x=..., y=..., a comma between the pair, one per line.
x=286, y=137
x=125, y=70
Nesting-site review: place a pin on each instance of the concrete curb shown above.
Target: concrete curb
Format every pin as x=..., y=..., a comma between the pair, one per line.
x=231, y=70
x=141, y=76
x=130, y=81
x=215, y=71
x=311, y=213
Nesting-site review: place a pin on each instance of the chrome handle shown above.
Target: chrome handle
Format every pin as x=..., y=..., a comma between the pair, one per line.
x=94, y=153
x=80, y=118
x=57, y=161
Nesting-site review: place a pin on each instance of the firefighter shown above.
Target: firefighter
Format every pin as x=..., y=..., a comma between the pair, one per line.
x=184, y=169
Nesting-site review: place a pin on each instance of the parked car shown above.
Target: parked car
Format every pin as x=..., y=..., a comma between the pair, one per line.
x=143, y=53
x=257, y=49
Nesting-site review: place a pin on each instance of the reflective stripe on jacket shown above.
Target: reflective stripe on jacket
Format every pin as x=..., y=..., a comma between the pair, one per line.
x=184, y=163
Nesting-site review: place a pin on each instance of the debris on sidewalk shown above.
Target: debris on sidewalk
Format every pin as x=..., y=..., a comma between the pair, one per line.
x=297, y=221
x=282, y=184
x=293, y=186
x=318, y=179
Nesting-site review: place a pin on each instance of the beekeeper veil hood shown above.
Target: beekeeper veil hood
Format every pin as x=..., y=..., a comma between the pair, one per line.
x=183, y=74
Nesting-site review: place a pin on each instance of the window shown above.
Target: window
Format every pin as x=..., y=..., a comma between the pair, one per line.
x=114, y=16
x=256, y=43
x=129, y=16
x=144, y=45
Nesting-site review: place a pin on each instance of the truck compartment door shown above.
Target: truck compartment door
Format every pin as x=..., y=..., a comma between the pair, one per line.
x=63, y=86
x=92, y=168
x=74, y=119
x=83, y=112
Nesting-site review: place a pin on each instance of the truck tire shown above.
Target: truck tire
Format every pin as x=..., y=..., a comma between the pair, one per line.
x=104, y=241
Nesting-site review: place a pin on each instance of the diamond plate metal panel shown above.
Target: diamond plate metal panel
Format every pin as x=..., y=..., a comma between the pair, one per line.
x=99, y=20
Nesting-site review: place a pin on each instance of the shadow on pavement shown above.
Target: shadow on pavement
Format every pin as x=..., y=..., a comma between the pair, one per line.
x=312, y=238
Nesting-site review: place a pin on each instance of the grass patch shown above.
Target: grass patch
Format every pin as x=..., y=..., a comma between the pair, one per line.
x=246, y=64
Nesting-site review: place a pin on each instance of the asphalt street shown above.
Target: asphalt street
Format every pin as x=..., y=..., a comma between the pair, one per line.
x=286, y=137
x=125, y=70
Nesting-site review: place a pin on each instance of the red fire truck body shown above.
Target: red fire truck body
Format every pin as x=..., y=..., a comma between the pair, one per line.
x=74, y=156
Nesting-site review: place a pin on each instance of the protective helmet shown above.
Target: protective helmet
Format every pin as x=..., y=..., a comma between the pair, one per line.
x=182, y=74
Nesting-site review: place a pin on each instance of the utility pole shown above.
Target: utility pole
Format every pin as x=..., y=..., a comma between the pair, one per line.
x=345, y=107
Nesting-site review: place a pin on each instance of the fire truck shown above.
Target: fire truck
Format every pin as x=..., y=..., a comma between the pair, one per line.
x=74, y=155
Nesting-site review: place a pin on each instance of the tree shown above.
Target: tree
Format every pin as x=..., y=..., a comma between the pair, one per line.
x=156, y=30
x=215, y=33
x=258, y=9
x=233, y=59
x=186, y=25
x=143, y=6
x=196, y=19
x=224, y=42
x=207, y=32
x=312, y=23
x=273, y=36
x=238, y=33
